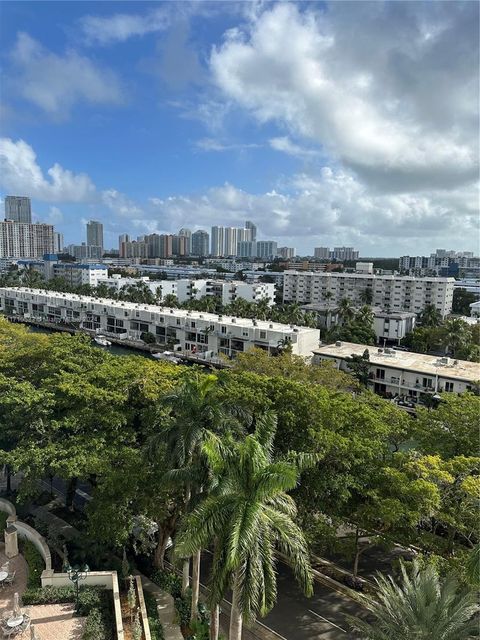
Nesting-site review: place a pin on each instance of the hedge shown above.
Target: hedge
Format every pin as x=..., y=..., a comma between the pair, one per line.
x=94, y=603
x=35, y=563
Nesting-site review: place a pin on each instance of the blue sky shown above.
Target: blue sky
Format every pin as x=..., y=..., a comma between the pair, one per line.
x=327, y=124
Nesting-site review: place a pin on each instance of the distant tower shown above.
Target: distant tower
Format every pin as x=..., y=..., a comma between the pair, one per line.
x=200, y=243
x=253, y=229
x=187, y=234
x=95, y=234
x=18, y=209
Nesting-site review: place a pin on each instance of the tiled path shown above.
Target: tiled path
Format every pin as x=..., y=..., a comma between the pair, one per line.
x=18, y=565
x=56, y=622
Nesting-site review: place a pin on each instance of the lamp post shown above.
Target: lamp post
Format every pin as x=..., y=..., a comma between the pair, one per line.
x=75, y=574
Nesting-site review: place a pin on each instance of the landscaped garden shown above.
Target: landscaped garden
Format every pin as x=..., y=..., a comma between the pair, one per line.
x=272, y=456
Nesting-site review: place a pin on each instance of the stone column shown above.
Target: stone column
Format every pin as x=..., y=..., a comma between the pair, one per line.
x=11, y=541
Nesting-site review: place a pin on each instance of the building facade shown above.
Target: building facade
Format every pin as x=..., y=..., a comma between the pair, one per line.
x=405, y=374
x=287, y=253
x=393, y=293
x=18, y=209
x=84, y=251
x=22, y=240
x=321, y=253
x=95, y=234
x=267, y=249
x=200, y=243
x=191, y=332
x=187, y=234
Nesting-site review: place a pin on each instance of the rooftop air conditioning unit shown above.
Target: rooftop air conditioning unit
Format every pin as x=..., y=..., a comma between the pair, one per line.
x=445, y=360
x=234, y=319
x=270, y=326
x=338, y=343
x=380, y=351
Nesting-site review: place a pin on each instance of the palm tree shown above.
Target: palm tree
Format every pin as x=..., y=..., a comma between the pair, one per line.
x=250, y=516
x=365, y=315
x=196, y=412
x=430, y=316
x=346, y=310
x=456, y=335
x=328, y=296
x=366, y=296
x=421, y=607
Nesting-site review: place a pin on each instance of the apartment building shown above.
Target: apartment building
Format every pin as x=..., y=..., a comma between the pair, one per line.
x=186, y=289
x=267, y=249
x=287, y=253
x=192, y=331
x=393, y=293
x=95, y=233
x=77, y=274
x=200, y=243
x=84, y=251
x=18, y=209
x=23, y=240
x=404, y=374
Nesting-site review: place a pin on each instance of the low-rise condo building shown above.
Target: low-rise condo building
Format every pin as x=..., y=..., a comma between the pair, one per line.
x=403, y=373
x=192, y=331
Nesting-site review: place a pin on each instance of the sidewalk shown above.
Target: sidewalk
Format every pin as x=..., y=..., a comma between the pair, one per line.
x=165, y=608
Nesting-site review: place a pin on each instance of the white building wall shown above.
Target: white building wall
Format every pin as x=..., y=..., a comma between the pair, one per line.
x=192, y=331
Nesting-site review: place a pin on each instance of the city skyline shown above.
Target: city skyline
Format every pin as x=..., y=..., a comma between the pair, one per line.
x=157, y=116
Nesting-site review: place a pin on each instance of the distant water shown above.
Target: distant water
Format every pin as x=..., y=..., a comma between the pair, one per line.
x=114, y=349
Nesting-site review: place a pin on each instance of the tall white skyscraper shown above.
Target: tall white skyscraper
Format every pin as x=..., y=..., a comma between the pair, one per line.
x=21, y=240
x=94, y=234
x=218, y=235
x=18, y=209
x=230, y=244
x=266, y=249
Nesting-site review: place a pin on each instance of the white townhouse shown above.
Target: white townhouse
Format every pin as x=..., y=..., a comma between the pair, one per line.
x=193, y=331
x=389, y=292
x=404, y=373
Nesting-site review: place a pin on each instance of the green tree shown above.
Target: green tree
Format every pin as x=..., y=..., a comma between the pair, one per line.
x=346, y=311
x=366, y=296
x=430, y=316
x=251, y=516
x=456, y=336
x=421, y=606
x=360, y=366
x=462, y=299
x=170, y=300
x=452, y=429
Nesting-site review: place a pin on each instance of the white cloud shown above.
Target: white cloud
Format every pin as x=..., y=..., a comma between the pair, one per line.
x=390, y=89
x=21, y=173
x=119, y=203
x=120, y=27
x=286, y=145
x=211, y=144
x=331, y=208
x=55, y=83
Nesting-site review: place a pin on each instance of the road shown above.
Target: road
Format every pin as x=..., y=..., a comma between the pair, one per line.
x=296, y=617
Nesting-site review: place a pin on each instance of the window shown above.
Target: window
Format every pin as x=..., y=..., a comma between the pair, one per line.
x=428, y=382
x=448, y=386
x=263, y=335
x=192, y=324
x=224, y=329
x=381, y=374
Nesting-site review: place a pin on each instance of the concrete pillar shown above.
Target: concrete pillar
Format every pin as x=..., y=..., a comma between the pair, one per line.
x=11, y=542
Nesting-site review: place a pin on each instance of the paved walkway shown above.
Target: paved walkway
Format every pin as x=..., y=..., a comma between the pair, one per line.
x=165, y=607
x=19, y=585
x=56, y=622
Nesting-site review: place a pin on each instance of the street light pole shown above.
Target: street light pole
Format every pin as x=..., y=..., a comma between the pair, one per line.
x=75, y=574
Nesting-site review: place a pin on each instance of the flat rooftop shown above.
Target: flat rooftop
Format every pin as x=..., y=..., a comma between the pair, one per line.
x=408, y=360
x=179, y=313
x=370, y=276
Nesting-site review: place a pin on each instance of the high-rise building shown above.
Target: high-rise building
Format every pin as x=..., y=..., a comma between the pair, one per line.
x=287, y=252
x=322, y=253
x=230, y=244
x=58, y=242
x=218, y=234
x=85, y=251
x=122, y=240
x=179, y=245
x=200, y=243
x=18, y=209
x=267, y=249
x=95, y=233
x=247, y=249
x=187, y=234
x=344, y=254
x=253, y=230
x=21, y=240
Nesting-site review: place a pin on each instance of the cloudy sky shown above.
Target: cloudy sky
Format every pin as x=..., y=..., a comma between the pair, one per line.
x=326, y=123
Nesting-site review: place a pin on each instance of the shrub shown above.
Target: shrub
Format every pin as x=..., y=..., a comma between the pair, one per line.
x=156, y=629
x=3, y=521
x=168, y=581
x=35, y=563
x=93, y=602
